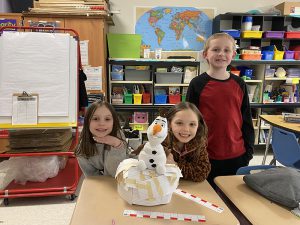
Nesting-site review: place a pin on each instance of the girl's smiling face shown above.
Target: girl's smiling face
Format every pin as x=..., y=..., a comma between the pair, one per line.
x=101, y=122
x=184, y=125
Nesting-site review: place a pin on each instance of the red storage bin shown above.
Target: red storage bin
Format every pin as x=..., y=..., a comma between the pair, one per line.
x=297, y=55
x=292, y=34
x=174, y=99
x=146, y=98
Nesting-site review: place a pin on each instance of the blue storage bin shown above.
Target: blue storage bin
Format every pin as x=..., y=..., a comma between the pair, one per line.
x=117, y=75
x=160, y=99
x=267, y=55
x=233, y=33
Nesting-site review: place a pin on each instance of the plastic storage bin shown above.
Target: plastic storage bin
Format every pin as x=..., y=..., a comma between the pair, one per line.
x=169, y=78
x=278, y=55
x=117, y=99
x=139, y=126
x=274, y=34
x=233, y=33
x=251, y=34
x=137, y=98
x=293, y=34
x=146, y=98
x=267, y=55
x=128, y=98
x=250, y=56
x=288, y=55
x=160, y=99
x=183, y=98
x=137, y=75
x=297, y=55
x=117, y=75
x=174, y=99
x=269, y=72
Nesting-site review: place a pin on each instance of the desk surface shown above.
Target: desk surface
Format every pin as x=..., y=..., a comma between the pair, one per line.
x=277, y=121
x=257, y=209
x=99, y=203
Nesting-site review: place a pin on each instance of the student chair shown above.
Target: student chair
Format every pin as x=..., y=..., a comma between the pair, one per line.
x=286, y=148
x=247, y=169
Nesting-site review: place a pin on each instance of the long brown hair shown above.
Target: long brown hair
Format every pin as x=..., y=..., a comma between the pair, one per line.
x=87, y=145
x=201, y=134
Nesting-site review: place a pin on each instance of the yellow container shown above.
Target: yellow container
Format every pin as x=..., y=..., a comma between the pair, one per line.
x=137, y=98
x=252, y=34
x=139, y=126
x=278, y=55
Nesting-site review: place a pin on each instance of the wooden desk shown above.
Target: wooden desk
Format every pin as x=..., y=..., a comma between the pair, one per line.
x=277, y=121
x=99, y=203
x=257, y=209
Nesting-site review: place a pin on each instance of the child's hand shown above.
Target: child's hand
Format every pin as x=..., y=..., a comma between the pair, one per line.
x=109, y=140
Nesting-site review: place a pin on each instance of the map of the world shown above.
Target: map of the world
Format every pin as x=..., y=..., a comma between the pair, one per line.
x=174, y=28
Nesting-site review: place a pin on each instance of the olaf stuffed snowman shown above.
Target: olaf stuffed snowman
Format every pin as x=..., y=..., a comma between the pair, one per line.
x=153, y=156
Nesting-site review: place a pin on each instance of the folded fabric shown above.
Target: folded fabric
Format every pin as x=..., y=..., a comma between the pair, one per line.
x=279, y=184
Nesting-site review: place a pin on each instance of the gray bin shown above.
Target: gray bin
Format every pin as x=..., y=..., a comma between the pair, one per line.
x=169, y=78
x=137, y=75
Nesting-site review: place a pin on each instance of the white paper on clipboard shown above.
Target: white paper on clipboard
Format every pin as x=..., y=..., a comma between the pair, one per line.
x=25, y=109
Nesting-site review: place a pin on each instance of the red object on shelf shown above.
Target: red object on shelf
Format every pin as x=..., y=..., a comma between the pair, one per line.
x=297, y=55
x=250, y=56
x=146, y=98
x=174, y=99
x=292, y=34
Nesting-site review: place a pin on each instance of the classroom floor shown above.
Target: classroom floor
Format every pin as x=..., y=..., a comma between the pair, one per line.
x=56, y=210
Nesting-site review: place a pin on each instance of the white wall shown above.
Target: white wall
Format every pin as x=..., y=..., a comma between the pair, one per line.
x=125, y=21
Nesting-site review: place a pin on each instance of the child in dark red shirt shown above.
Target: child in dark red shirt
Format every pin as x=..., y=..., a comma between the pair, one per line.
x=222, y=98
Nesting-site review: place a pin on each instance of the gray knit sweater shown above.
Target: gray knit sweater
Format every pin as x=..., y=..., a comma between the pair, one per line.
x=105, y=162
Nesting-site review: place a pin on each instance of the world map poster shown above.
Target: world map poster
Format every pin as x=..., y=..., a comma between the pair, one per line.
x=174, y=28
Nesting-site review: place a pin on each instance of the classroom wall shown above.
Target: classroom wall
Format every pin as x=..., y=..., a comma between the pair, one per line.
x=125, y=21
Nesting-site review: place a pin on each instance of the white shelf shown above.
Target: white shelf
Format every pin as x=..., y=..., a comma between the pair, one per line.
x=275, y=78
x=166, y=85
x=253, y=81
x=129, y=82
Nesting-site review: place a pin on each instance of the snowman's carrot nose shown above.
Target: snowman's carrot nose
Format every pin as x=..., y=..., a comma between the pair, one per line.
x=156, y=128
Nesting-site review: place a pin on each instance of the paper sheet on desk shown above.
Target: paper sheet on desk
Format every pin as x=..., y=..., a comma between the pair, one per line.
x=38, y=63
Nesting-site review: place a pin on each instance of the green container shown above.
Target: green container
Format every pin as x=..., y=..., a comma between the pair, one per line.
x=124, y=45
x=128, y=98
x=183, y=97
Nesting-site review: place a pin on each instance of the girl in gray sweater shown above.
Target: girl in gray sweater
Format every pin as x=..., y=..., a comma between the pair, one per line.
x=102, y=144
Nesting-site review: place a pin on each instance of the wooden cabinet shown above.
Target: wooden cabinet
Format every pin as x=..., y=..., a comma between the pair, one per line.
x=92, y=28
x=15, y=16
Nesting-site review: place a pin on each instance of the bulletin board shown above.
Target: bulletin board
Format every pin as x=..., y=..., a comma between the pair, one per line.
x=44, y=64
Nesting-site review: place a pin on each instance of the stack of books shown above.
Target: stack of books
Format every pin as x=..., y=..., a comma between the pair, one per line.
x=91, y=7
x=292, y=117
x=39, y=140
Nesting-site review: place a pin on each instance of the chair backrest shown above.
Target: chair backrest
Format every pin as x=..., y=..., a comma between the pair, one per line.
x=286, y=148
x=247, y=169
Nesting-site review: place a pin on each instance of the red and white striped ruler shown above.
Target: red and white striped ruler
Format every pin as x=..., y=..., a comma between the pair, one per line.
x=199, y=200
x=165, y=216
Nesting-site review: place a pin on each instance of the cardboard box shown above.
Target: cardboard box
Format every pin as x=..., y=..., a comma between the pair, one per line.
x=289, y=8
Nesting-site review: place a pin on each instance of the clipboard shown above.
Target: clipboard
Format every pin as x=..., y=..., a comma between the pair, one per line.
x=24, y=109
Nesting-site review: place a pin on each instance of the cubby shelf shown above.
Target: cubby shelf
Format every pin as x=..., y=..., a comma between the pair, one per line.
x=231, y=21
